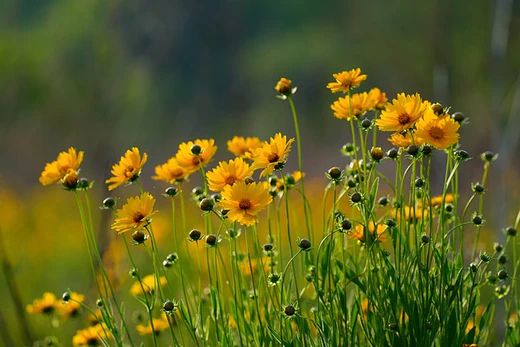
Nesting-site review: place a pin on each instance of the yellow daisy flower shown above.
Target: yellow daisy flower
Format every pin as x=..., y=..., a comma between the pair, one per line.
x=436, y=201
x=134, y=214
x=284, y=86
x=245, y=201
x=66, y=163
x=401, y=140
x=354, y=106
x=227, y=173
x=159, y=324
x=72, y=306
x=170, y=171
x=243, y=146
x=128, y=169
x=346, y=80
x=411, y=214
x=440, y=132
x=148, y=284
x=377, y=234
x=256, y=265
x=46, y=305
x=193, y=161
x=92, y=336
x=272, y=155
x=377, y=98
x=402, y=113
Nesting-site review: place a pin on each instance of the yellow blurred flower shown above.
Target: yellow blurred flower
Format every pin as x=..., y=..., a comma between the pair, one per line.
x=193, y=161
x=436, y=201
x=96, y=335
x=243, y=146
x=128, y=169
x=411, y=214
x=72, y=306
x=346, y=80
x=148, y=284
x=159, y=324
x=377, y=98
x=376, y=234
x=354, y=106
x=170, y=172
x=245, y=201
x=401, y=140
x=272, y=155
x=46, y=304
x=134, y=214
x=440, y=132
x=402, y=113
x=256, y=264
x=284, y=86
x=66, y=163
x=228, y=173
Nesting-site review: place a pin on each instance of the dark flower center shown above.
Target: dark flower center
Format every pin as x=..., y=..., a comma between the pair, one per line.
x=403, y=119
x=436, y=133
x=231, y=180
x=138, y=217
x=244, y=204
x=273, y=157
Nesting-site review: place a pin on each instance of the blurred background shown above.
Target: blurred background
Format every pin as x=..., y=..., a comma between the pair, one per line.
x=107, y=75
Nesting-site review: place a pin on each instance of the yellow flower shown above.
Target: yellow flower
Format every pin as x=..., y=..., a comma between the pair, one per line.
x=401, y=140
x=192, y=162
x=440, y=132
x=227, y=173
x=402, y=113
x=128, y=169
x=243, y=146
x=96, y=335
x=376, y=234
x=134, y=214
x=436, y=201
x=170, y=171
x=159, y=324
x=245, y=201
x=346, y=80
x=66, y=163
x=148, y=284
x=72, y=306
x=284, y=86
x=352, y=106
x=46, y=305
x=272, y=155
x=377, y=98
x=410, y=214
x=245, y=269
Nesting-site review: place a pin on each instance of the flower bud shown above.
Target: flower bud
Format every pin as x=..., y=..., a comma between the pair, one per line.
x=426, y=149
x=304, y=244
x=346, y=225
x=99, y=303
x=334, y=173
x=510, y=231
x=284, y=86
x=168, y=306
x=502, y=259
x=478, y=188
x=498, y=247
x=173, y=257
x=356, y=197
x=207, y=204
x=211, y=240
x=139, y=236
x=133, y=272
x=473, y=267
x=502, y=275
x=390, y=222
x=489, y=156
x=289, y=310
x=366, y=123
x=458, y=117
x=485, y=257
x=216, y=197
x=461, y=155
x=197, y=191
x=392, y=153
x=170, y=191
x=167, y=264
x=268, y=247
x=109, y=203
x=66, y=296
x=377, y=153
x=195, y=235
x=437, y=109
x=412, y=150
x=425, y=239
x=419, y=183
x=383, y=201
x=477, y=220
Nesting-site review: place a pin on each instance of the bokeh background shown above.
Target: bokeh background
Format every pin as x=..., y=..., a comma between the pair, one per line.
x=107, y=75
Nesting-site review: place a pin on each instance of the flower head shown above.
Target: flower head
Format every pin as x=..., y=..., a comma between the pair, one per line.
x=375, y=233
x=245, y=201
x=402, y=113
x=284, y=86
x=192, y=160
x=346, y=80
x=438, y=131
x=135, y=213
x=159, y=324
x=72, y=306
x=128, y=169
x=377, y=98
x=272, y=154
x=243, y=146
x=46, y=304
x=170, y=171
x=401, y=140
x=96, y=335
x=227, y=173
x=352, y=106
x=148, y=284
x=67, y=163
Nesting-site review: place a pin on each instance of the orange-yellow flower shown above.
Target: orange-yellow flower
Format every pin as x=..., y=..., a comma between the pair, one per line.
x=243, y=146
x=272, y=155
x=440, y=132
x=148, y=283
x=377, y=98
x=284, y=86
x=97, y=335
x=402, y=113
x=228, y=173
x=401, y=140
x=354, y=106
x=375, y=234
x=245, y=201
x=436, y=201
x=135, y=214
x=72, y=306
x=193, y=160
x=170, y=171
x=67, y=162
x=128, y=169
x=46, y=305
x=346, y=80
x=159, y=324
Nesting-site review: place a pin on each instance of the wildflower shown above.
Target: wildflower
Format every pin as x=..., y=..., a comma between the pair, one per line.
x=67, y=163
x=170, y=171
x=436, y=201
x=148, y=283
x=346, y=80
x=128, y=169
x=350, y=107
x=243, y=146
x=192, y=161
x=375, y=233
x=46, y=305
x=227, y=173
x=136, y=213
x=377, y=98
x=168, y=306
x=401, y=140
x=159, y=324
x=272, y=155
x=70, y=307
x=244, y=201
x=96, y=335
x=256, y=265
x=440, y=132
x=335, y=173
x=402, y=113
x=284, y=86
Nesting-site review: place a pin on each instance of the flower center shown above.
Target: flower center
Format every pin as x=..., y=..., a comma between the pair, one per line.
x=244, y=204
x=230, y=180
x=177, y=172
x=129, y=171
x=436, y=133
x=196, y=160
x=138, y=217
x=403, y=119
x=92, y=341
x=273, y=157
